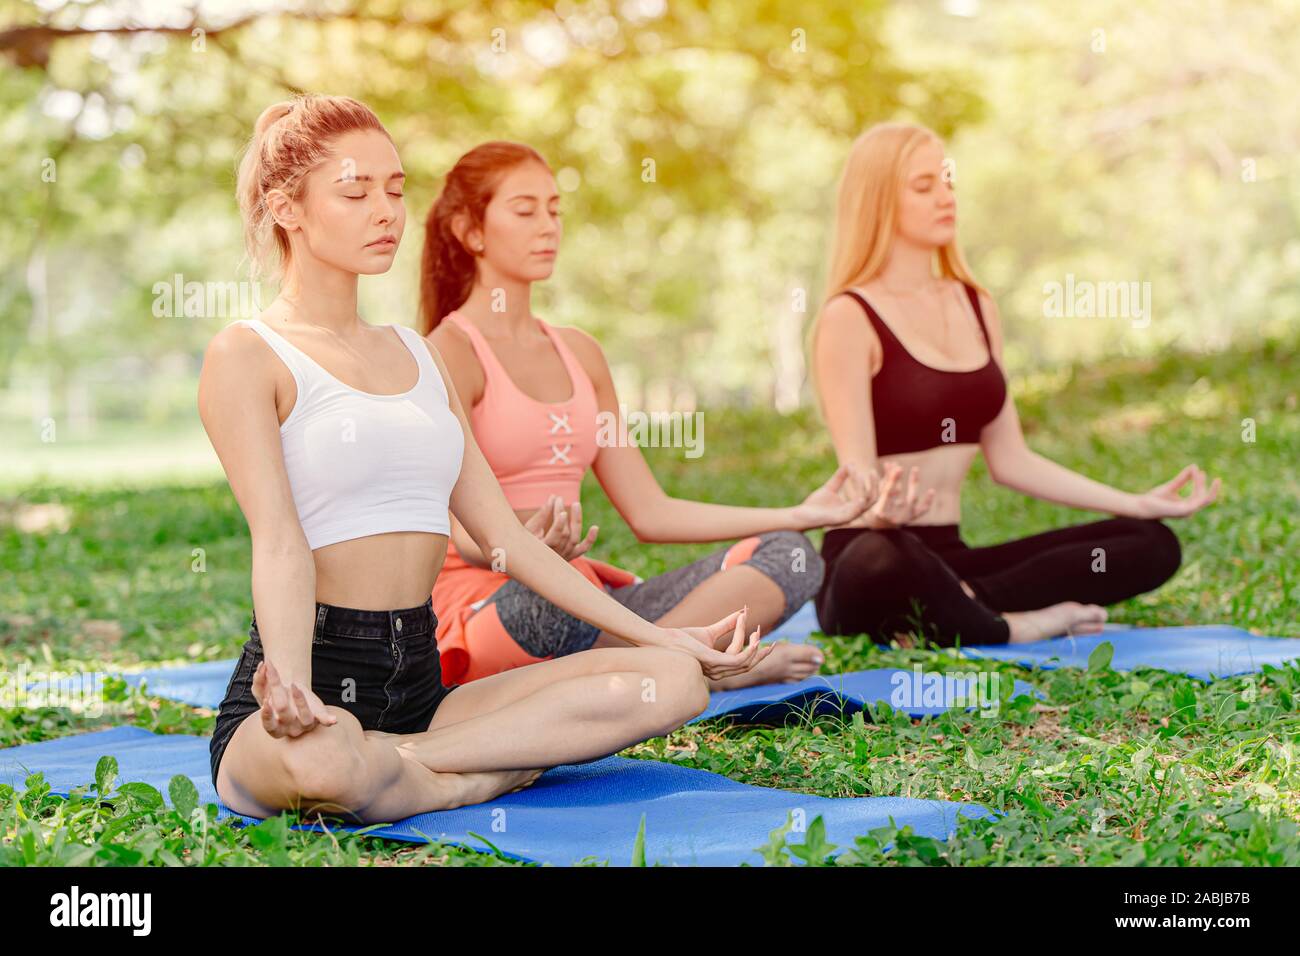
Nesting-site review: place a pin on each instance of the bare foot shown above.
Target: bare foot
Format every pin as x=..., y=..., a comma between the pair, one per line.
x=464, y=789
x=786, y=664
x=1068, y=617
x=467, y=788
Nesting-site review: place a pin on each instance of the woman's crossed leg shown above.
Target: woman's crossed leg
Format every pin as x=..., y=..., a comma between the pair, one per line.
x=486, y=738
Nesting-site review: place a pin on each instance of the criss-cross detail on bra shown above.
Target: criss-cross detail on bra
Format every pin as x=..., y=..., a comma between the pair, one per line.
x=535, y=448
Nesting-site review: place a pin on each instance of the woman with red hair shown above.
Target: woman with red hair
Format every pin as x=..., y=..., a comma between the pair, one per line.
x=537, y=393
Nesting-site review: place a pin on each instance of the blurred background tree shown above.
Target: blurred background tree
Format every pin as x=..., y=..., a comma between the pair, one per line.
x=697, y=144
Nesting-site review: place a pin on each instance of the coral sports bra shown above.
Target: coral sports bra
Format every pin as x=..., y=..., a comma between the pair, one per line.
x=360, y=463
x=535, y=449
x=917, y=407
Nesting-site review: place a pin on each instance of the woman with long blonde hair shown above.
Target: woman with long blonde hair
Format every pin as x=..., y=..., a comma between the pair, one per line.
x=907, y=359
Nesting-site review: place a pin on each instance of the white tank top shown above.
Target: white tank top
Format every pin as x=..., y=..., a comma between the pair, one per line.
x=360, y=463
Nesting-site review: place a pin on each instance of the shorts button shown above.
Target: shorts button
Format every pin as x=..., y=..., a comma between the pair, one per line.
x=398, y=623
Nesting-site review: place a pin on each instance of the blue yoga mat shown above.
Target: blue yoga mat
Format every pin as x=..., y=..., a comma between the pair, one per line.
x=917, y=693
x=1204, y=652
x=1201, y=652
x=594, y=809
x=203, y=685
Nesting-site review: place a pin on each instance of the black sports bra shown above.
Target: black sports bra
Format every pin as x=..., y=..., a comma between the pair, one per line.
x=917, y=407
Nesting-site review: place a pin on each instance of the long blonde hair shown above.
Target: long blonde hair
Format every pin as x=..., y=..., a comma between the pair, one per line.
x=866, y=213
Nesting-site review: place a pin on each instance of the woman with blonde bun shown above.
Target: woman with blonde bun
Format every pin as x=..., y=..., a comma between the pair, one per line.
x=348, y=451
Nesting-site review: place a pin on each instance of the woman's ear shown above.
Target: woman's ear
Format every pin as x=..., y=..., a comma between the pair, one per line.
x=282, y=209
x=470, y=238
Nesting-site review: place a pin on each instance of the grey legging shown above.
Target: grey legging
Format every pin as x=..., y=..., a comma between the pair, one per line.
x=788, y=558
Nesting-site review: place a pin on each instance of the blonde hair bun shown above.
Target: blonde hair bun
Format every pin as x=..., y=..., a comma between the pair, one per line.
x=270, y=115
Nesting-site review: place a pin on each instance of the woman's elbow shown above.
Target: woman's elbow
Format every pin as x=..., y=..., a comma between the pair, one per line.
x=645, y=526
x=498, y=533
x=1001, y=467
x=281, y=543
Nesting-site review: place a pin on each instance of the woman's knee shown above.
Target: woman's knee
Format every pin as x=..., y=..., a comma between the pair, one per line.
x=674, y=682
x=1164, y=549
x=884, y=561
x=876, y=578
x=327, y=764
x=791, y=560
x=1157, y=552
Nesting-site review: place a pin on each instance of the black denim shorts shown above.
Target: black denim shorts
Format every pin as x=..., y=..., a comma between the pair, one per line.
x=382, y=666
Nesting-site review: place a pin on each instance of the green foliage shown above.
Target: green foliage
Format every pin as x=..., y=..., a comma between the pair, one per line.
x=711, y=93
x=1141, y=768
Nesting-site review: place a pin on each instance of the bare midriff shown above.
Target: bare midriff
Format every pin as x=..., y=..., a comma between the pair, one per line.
x=944, y=469
x=380, y=572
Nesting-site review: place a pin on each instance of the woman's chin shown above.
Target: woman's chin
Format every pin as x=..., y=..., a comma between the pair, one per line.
x=373, y=265
x=944, y=236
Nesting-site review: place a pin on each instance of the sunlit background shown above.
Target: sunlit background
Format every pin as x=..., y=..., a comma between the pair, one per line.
x=697, y=146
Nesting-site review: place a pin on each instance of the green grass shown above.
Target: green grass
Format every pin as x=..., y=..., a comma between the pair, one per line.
x=1146, y=767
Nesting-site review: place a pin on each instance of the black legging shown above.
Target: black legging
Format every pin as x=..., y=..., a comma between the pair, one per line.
x=883, y=582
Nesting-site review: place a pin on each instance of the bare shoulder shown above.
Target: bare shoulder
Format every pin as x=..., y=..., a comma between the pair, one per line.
x=842, y=322
x=453, y=350
x=580, y=340
x=989, y=308
x=586, y=347
x=436, y=347
x=240, y=373
x=842, y=307
x=237, y=346
x=450, y=339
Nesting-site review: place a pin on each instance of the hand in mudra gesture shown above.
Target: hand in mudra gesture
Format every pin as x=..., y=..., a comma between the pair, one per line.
x=844, y=496
x=560, y=528
x=725, y=648
x=1167, y=501
x=898, y=502
x=287, y=711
